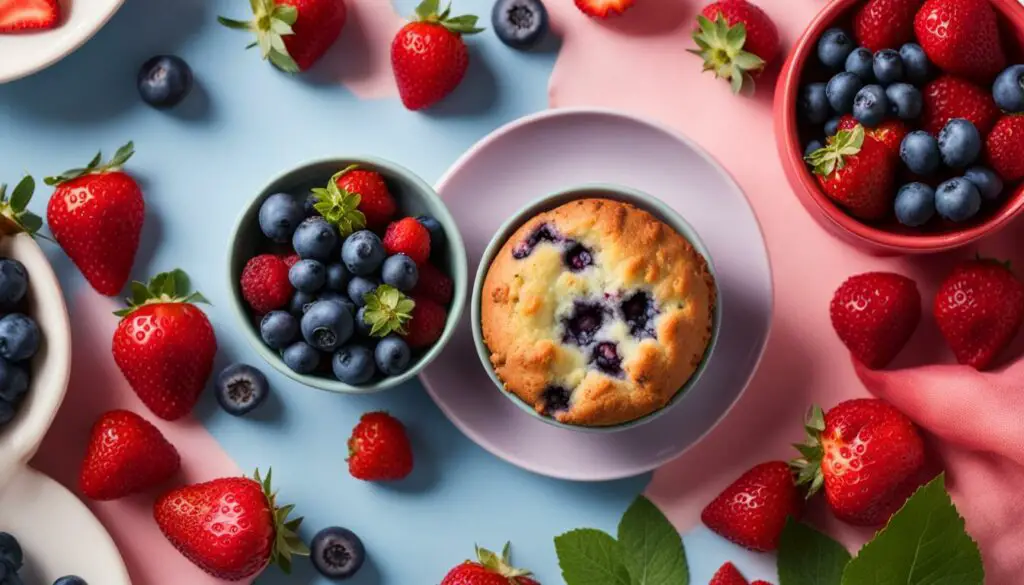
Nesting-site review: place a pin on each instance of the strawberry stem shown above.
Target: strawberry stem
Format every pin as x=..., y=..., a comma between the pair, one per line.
x=14, y=216
x=286, y=536
x=95, y=166
x=166, y=287
x=721, y=47
x=465, y=24
x=808, y=466
x=501, y=565
x=832, y=156
x=271, y=22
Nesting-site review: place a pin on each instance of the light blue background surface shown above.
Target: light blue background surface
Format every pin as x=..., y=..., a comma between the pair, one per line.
x=200, y=164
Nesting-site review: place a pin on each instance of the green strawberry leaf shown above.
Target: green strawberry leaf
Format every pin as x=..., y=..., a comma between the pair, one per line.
x=652, y=548
x=721, y=46
x=271, y=22
x=808, y=557
x=387, y=311
x=95, y=166
x=591, y=557
x=166, y=287
x=22, y=193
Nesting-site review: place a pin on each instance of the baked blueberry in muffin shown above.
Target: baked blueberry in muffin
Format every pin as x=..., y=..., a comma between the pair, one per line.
x=596, y=313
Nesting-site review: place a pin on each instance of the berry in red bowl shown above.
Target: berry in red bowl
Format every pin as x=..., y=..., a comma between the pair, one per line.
x=349, y=275
x=892, y=124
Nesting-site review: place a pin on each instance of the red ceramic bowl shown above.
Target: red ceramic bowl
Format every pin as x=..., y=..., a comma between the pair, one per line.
x=884, y=238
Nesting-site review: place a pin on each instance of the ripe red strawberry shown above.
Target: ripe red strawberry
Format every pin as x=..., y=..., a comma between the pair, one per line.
x=730, y=53
x=885, y=24
x=27, y=15
x=949, y=97
x=857, y=172
x=434, y=285
x=265, y=284
x=961, y=37
x=429, y=56
x=603, y=8
x=164, y=345
x=126, y=455
x=293, y=34
x=865, y=453
x=96, y=215
x=489, y=569
x=979, y=308
x=759, y=582
x=408, y=236
x=1004, y=146
x=753, y=510
x=232, y=527
x=874, y=314
x=375, y=201
x=426, y=324
x=728, y=574
x=379, y=449
x=890, y=132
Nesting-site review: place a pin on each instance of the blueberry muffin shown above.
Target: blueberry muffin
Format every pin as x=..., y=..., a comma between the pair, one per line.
x=596, y=313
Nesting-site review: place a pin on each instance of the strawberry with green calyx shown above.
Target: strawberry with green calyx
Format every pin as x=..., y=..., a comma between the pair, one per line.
x=857, y=172
x=14, y=217
x=737, y=40
x=339, y=206
x=387, y=311
x=489, y=569
x=292, y=34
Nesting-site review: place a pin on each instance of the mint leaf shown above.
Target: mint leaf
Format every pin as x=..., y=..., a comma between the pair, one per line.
x=591, y=557
x=652, y=548
x=924, y=544
x=808, y=557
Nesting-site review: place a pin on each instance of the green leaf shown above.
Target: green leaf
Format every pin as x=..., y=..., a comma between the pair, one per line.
x=736, y=37
x=234, y=24
x=652, y=548
x=427, y=9
x=30, y=222
x=591, y=557
x=925, y=543
x=748, y=61
x=140, y=293
x=22, y=193
x=808, y=557
x=286, y=14
x=121, y=156
x=282, y=60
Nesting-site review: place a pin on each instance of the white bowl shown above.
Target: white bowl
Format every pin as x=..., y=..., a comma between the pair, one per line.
x=27, y=53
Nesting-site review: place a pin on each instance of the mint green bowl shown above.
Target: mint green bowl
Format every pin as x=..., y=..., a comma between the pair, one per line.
x=414, y=197
x=642, y=200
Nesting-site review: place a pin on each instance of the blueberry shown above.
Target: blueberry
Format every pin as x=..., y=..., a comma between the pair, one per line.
x=307, y=275
x=13, y=282
x=164, y=81
x=542, y=233
x=577, y=257
x=315, y=238
x=309, y=205
x=915, y=204
x=639, y=312
x=400, y=272
x=70, y=580
x=556, y=399
x=841, y=91
x=337, y=277
x=326, y=325
x=606, y=358
x=13, y=381
x=7, y=412
x=278, y=329
x=1008, y=90
x=301, y=358
x=813, y=103
x=957, y=199
x=988, y=183
x=861, y=63
x=915, y=63
x=337, y=297
x=359, y=287
x=19, y=337
x=10, y=551
x=353, y=364
x=362, y=253
x=905, y=100
x=834, y=47
x=337, y=553
x=300, y=302
x=392, y=355
x=362, y=327
x=438, y=239
x=583, y=323
x=812, y=146
x=871, y=105
x=280, y=214
x=959, y=143
x=519, y=24
x=832, y=127
x=920, y=152
x=888, y=67
x=240, y=388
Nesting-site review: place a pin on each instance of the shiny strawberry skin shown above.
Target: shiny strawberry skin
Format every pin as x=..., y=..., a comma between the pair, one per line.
x=1004, y=146
x=885, y=24
x=408, y=236
x=603, y=8
x=470, y=573
x=379, y=449
x=890, y=133
x=874, y=314
x=979, y=309
x=225, y=526
x=126, y=455
x=864, y=187
x=961, y=37
x=429, y=62
x=434, y=285
x=752, y=511
x=949, y=97
x=728, y=574
x=166, y=352
x=375, y=201
x=426, y=324
x=97, y=220
x=28, y=15
x=317, y=27
x=762, y=34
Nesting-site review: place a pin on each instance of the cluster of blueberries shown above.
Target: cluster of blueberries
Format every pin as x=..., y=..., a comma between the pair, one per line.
x=19, y=338
x=11, y=560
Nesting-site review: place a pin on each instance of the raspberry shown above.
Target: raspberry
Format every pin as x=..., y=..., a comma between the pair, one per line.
x=434, y=285
x=375, y=201
x=408, y=236
x=426, y=325
x=265, y=283
x=290, y=259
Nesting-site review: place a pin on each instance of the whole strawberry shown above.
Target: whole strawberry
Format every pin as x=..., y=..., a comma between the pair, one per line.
x=426, y=324
x=1004, y=146
x=489, y=569
x=375, y=200
x=857, y=172
x=293, y=34
x=885, y=24
x=865, y=453
x=979, y=309
x=753, y=510
x=126, y=455
x=379, y=449
x=874, y=314
x=232, y=527
x=737, y=40
x=961, y=37
x=949, y=97
x=96, y=216
x=164, y=345
x=408, y=236
x=428, y=55
x=728, y=574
